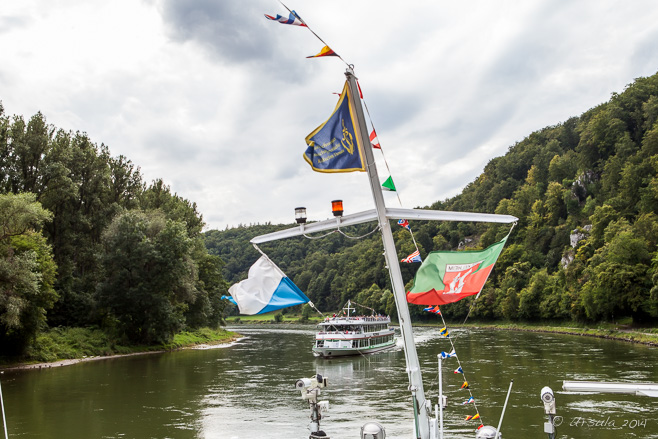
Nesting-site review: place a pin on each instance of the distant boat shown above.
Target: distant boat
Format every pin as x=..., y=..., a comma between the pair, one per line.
x=344, y=335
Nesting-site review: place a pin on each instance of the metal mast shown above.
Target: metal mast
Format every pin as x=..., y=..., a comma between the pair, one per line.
x=390, y=253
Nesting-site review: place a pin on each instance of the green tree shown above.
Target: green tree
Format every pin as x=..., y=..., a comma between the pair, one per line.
x=207, y=307
x=27, y=271
x=619, y=280
x=150, y=276
x=158, y=196
x=531, y=297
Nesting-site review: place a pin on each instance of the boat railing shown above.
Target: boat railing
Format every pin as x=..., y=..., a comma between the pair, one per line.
x=360, y=319
x=339, y=332
x=352, y=332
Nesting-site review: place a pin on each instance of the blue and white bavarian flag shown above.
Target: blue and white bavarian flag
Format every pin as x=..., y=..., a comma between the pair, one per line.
x=266, y=289
x=335, y=146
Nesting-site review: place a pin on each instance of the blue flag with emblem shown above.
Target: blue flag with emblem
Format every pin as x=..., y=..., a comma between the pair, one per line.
x=335, y=146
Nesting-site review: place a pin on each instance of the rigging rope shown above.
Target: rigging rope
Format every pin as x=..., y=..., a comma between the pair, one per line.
x=342, y=233
x=452, y=344
x=397, y=193
x=311, y=30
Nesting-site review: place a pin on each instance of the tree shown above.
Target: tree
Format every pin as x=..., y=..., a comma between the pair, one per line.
x=159, y=196
x=531, y=296
x=207, y=308
x=83, y=187
x=150, y=276
x=619, y=280
x=27, y=271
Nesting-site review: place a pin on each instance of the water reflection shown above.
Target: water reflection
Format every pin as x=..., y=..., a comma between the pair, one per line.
x=247, y=390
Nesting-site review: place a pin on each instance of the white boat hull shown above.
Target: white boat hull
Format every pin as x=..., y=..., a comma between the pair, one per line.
x=342, y=352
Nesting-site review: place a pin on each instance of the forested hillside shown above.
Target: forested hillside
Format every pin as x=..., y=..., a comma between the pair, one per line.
x=585, y=248
x=84, y=242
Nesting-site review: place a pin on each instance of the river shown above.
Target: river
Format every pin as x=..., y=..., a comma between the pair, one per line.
x=246, y=390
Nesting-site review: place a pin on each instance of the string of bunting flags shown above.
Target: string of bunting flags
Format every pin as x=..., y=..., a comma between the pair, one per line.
x=295, y=20
x=444, y=332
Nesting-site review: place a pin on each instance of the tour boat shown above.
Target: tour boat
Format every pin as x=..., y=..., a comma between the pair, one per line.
x=346, y=334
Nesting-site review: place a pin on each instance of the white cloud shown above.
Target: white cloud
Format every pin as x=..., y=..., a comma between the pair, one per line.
x=216, y=100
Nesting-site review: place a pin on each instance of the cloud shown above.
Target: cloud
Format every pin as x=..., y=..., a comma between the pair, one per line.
x=233, y=32
x=225, y=28
x=216, y=100
x=10, y=22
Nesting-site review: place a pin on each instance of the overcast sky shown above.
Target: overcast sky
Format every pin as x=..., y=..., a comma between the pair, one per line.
x=217, y=100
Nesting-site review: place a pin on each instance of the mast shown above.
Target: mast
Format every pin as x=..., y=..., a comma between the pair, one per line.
x=390, y=253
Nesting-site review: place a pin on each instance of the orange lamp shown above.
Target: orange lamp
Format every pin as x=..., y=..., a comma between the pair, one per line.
x=337, y=207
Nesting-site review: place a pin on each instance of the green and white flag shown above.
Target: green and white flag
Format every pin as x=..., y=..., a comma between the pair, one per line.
x=448, y=276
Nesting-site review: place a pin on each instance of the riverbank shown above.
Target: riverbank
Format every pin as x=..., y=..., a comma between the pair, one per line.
x=67, y=346
x=612, y=331
x=632, y=335
x=64, y=347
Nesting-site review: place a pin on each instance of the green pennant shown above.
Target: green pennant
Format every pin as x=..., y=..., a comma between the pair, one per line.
x=388, y=184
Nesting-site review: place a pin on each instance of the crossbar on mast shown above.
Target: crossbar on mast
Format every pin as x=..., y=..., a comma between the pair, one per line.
x=390, y=213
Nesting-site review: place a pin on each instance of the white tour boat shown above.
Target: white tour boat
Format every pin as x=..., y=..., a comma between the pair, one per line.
x=353, y=335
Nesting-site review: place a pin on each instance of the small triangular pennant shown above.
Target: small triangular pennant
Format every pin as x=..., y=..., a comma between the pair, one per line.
x=388, y=184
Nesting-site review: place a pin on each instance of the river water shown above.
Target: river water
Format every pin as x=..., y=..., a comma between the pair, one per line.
x=246, y=390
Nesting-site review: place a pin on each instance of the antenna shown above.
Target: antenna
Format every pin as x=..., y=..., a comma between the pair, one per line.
x=504, y=407
x=4, y=420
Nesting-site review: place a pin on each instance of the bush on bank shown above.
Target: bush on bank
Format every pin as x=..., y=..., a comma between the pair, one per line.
x=75, y=343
